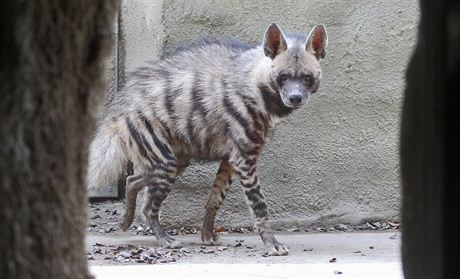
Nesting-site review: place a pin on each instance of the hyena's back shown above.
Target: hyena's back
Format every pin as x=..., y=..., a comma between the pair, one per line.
x=191, y=103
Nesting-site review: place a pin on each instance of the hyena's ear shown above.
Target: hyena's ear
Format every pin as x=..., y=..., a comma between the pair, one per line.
x=317, y=41
x=274, y=41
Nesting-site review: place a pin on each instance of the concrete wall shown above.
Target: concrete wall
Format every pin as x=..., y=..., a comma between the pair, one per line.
x=335, y=160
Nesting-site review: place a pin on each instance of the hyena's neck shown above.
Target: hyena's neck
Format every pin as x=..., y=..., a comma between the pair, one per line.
x=272, y=101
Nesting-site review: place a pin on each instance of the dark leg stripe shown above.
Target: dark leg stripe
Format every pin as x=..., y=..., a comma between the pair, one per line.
x=254, y=192
x=158, y=190
x=247, y=170
x=254, y=152
x=160, y=184
x=166, y=177
x=168, y=168
x=251, y=172
x=250, y=185
x=156, y=205
x=251, y=162
x=242, y=168
x=260, y=209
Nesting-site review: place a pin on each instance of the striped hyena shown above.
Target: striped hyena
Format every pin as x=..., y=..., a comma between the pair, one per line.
x=213, y=100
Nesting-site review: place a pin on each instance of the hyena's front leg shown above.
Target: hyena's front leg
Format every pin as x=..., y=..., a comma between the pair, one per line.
x=216, y=198
x=246, y=171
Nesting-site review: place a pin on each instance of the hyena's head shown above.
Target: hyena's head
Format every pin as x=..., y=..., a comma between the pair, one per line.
x=295, y=72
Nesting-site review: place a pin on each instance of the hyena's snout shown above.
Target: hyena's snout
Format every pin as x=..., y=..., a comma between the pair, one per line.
x=294, y=95
x=295, y=99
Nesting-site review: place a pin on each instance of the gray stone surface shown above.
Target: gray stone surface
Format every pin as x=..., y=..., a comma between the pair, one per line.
x=335, y=160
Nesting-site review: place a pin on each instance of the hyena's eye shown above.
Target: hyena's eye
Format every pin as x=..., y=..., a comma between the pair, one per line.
x=308, y=79
x=282, y=78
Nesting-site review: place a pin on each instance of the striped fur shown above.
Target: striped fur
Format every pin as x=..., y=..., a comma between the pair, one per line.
x=215, y=101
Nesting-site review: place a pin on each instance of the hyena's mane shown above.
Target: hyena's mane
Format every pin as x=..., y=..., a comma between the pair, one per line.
x=228, y=42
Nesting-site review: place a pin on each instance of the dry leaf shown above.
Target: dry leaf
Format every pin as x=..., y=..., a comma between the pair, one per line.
x=222, y=248
x=220, y=229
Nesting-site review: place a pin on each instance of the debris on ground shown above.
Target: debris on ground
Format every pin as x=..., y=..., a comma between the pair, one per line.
x=378, y=226
x=241, y=230
x=222, y=248
x=206, y=250
x=220, y=229
x=394, y=225
x=135, y=254
x=341, y=227
x=319, y=229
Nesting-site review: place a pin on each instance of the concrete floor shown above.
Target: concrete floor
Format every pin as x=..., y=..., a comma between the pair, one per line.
x=356, y=254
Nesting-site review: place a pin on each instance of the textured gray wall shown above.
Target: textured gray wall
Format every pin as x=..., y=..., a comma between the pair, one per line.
x=335, y=160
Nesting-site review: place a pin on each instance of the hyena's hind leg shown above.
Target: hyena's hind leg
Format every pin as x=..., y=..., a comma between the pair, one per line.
x=216, y=198
x=134, y=183
x=158, y=190
x=154, y=158
x=159, y=186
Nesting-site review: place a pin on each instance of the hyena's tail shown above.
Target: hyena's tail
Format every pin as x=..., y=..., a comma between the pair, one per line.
x=107, y=158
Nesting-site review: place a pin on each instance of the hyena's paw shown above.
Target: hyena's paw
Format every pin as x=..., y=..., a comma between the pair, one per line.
x=126, y=220
x=211, y=238
x=277, y=249
x=169, y=242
